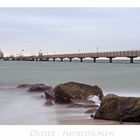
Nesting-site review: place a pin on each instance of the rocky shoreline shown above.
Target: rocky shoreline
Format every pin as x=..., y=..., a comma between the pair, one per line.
x=78, y=95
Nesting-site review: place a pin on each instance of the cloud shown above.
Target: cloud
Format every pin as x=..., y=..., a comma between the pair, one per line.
x=69, y=29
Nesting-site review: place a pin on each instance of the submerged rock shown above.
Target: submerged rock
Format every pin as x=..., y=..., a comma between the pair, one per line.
x=38, y=88
x=93, y=110
x=49, y=103
x=119, y=108
x=92, y=116
x=35, y=87
x=66, y=92
x=24, y=86
x=42, y=96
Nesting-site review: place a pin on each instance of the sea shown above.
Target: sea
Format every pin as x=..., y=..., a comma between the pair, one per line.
x=18, y=107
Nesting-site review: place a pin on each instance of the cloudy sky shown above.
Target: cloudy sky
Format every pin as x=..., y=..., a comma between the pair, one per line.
x=68, y=30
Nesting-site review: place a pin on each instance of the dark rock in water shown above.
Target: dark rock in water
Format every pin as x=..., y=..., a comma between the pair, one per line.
x=93, y=110
x=42, y=96
x=34, y=87
x=119, y=108
x=24, y=86
x=38, y=88
x=49, y=94
x=49, y=103
x=66, y=92
x=92, y=116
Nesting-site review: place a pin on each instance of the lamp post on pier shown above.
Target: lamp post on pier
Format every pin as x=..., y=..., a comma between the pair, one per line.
x=97, y=49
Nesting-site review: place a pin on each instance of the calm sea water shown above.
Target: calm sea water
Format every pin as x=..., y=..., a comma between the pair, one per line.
x=19, y=107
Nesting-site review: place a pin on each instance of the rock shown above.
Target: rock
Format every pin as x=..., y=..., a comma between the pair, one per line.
x=119, y=108
x=49, y=103
x=49, y=94
x=35, y=87
x=93, y=110
x=66, y=92
x=42, y=96
x=38, y=88
x=24, y=86
x=92, y=116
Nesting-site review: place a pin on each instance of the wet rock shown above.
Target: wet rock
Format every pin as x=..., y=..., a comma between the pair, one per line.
x=66, y=92
x=38, y=88
x=24, y=86
x=119, y=108
x=92, y=116
x=42, y=96
x=35, y=87
x=49, y=103
x=49, y=94
x=93, y=110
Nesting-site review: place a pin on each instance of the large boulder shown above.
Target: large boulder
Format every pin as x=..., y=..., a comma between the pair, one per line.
x=119, y=108
x=66, y=92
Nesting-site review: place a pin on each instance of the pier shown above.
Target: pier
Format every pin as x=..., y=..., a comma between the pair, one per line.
x=81, y=56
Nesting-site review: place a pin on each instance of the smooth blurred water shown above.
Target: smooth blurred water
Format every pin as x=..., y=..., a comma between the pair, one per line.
x=19, y=107
x=110, y=77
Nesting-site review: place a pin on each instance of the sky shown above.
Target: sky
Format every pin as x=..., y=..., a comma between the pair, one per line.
x=68, y=30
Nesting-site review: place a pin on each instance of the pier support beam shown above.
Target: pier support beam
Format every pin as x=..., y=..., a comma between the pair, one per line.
x=94, y=59
x=81, y=59
x=54, y=59
x=70, y=59
x=61, y=59
x=132, y=59
x=110, y=59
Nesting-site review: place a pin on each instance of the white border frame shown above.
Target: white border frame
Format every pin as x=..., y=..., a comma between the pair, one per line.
x=69, y=3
